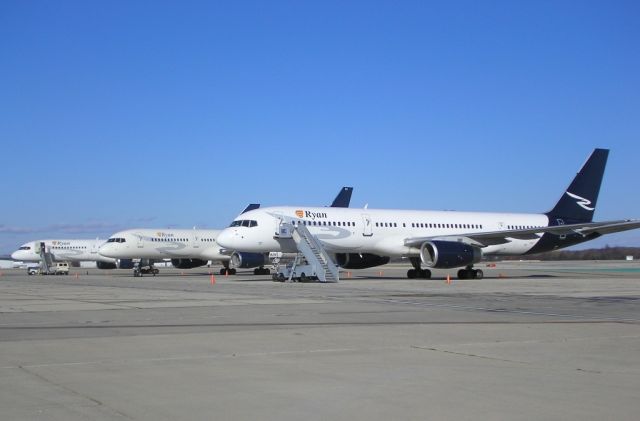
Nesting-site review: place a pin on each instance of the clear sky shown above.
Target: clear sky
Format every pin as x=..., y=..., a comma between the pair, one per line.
x=122, y=114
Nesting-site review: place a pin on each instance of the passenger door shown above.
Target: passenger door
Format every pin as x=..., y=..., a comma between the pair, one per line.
x=367, y=229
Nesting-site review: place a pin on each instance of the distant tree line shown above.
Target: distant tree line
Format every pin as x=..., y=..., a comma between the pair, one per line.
x=607, y=253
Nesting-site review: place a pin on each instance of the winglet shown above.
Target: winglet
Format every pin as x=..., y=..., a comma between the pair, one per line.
x=343, y=199
x=578, y=202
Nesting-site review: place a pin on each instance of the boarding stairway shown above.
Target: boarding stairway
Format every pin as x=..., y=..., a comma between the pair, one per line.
x=312, y=250
x=46, y=259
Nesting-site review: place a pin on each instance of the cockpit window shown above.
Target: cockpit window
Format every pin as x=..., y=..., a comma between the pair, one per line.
x=116, y=240
x=244, y=223
x=25, y=248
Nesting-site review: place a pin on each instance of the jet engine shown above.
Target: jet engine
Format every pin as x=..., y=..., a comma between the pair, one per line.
x=125, y=264
x=449, y=254
x=360, y=261
x=105, y=265
x=188, y=263
x=248, y=260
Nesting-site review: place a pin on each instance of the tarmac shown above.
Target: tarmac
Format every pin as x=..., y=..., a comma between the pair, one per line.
x=531, y=340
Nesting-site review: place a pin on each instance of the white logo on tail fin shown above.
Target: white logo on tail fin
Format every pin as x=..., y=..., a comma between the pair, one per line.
x=582, y=202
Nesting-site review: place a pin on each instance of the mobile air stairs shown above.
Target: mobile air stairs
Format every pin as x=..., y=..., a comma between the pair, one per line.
x=46, y=259
x=312, y=260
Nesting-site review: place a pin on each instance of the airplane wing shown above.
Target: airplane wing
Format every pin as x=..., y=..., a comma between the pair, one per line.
x=484, y=239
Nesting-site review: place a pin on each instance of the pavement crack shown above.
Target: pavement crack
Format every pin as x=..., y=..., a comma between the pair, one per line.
x=73, y=392
x=465, y=354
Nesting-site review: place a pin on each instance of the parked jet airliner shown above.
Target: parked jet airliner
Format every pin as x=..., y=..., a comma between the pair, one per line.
x=66, y=251
x=361, y=238
x=186, y=248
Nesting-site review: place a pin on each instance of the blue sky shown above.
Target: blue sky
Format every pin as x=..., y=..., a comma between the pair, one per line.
x=121, y=114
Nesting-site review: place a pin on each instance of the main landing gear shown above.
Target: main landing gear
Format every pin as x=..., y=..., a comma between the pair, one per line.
x=417, y=272
x=261, y=271
x=226, y=271
x=470, y=273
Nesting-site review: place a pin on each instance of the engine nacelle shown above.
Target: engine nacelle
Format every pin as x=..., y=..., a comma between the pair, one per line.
x=187, y=263
x=248, y=260
x=448, y=254
x=125, y=264
x=360, y=261
x=105, y=265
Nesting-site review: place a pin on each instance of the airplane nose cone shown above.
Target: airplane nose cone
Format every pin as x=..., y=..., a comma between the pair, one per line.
x=15, y=255
x=107, y=250
x=228, y=239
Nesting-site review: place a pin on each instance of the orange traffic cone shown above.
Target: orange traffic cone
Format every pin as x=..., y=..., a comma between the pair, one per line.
x=213, y=279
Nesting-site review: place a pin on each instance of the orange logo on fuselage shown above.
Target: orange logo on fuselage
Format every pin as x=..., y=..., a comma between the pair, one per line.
x=299, y=213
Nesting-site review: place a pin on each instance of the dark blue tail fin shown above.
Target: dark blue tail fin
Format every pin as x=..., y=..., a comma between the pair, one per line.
x=578, y=202
x=250, y=207
x=343, y=199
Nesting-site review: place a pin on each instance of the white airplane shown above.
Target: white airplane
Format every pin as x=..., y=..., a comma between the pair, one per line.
x=67, y=251
x=362, y=238
x=188, y=249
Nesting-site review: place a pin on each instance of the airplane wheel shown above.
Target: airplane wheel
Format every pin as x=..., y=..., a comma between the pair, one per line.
x=478, y=274
x=256, y=271
x=303, y=277
x=425, y=273
x=266, y=271
x=222, y=271
x=232, y=271
x=411, y=273
x=463, y=274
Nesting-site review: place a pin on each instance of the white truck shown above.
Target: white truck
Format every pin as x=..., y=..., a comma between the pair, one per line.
x=58, y=268
x=295, y=272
